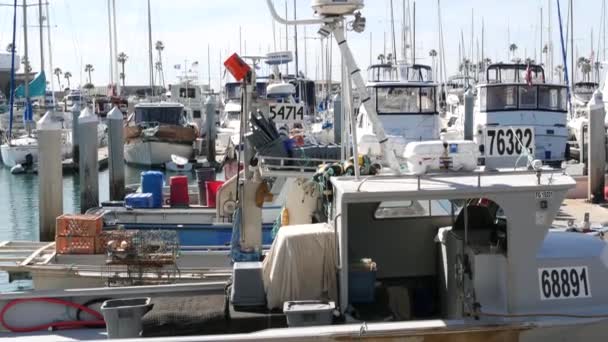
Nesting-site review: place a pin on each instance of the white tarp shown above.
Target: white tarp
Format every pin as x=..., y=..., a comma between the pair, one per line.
x=301, y=265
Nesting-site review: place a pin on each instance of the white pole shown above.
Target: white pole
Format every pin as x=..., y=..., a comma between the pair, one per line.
x=50, y=176
x=110, y=39
x=115, y=57
x=48, y=34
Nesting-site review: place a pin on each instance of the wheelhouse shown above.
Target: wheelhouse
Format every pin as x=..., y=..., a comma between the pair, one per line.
x=515, y=87
x=403, y=98
x=584, y=90
x=160, y=113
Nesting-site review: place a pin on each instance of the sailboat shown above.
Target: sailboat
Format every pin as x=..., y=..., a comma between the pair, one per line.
x=23, y=149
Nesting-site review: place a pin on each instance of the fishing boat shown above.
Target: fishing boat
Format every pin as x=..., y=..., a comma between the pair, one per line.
x=405, y=98
x=516, y=107
x=156, y=131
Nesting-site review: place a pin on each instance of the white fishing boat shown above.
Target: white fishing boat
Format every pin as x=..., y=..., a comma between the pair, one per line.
x=405, y=98
x=516, y=112
x=156, y=131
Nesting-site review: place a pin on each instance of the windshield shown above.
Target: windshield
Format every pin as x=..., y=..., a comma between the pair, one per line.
x=405, y=100
x=515, y=97
x=163, y=115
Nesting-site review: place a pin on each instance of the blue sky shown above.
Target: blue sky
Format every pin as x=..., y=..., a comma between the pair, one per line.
x=187, y=27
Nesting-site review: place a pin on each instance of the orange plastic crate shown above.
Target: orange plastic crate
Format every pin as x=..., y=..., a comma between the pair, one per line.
x=75, y=245
x=79, y=225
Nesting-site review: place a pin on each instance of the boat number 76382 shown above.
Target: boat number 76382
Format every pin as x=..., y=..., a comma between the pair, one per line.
x=287, y=112
x=508, y=141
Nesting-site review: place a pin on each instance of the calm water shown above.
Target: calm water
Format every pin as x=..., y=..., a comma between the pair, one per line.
x=19, y=205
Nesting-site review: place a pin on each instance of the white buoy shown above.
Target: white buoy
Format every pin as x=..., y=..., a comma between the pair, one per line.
x=49, y=175
x=88, y=164
x=597, y=148
x=116, y=154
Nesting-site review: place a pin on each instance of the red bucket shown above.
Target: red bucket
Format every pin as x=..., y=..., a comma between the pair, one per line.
x=179, y=191
x=212, y=188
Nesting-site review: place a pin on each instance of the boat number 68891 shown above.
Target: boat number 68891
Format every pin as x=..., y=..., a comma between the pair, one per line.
x=564, y=282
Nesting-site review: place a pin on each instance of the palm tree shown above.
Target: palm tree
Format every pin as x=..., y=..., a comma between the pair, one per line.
x=584, y=65
x=389, y=58
x=122, y=59
x=9, y=48
x=530, y=61
x=381, y=58
x=67, y=76
x=58, y=73
x=512, y=49
x=89, y=69
x=433, y=54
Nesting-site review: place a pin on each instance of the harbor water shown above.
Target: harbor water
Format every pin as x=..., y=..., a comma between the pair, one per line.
x=19, y=205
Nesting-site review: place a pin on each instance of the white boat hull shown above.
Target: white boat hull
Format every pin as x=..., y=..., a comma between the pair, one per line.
x=151, y=153
x=17, y=154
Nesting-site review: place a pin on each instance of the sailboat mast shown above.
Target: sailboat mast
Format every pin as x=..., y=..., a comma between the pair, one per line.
x=572, y=68
x=110, y=38
x=414, y=33
x=41, y=31
x=150, y=61
x=394, y=50
x=483, y=56
x=286, y=40
x=115, y=57
x=541, y=36
x=26, y=85
x=48, y=33
x=295, y=37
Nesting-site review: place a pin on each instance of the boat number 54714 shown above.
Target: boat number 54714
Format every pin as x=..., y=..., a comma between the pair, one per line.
x=287, y=112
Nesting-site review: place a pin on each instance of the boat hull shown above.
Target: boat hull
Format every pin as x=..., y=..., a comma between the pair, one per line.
x=154, y=153
x=15, y=155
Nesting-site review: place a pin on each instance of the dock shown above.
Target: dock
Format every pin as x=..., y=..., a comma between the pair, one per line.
x=70, y=167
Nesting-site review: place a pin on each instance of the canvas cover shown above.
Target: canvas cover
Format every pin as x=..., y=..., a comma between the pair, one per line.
x=301, y=265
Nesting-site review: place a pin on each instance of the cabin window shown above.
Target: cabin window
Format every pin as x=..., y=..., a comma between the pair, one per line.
x=500, y=98
x=552, y=98
x=527, y=97
x=427, y=100
x=196, y=114
x=403, y=209
x=189, y=93
x=398, y=100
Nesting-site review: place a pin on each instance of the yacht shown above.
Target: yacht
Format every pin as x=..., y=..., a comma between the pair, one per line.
x=405, y=98
x=157, y=130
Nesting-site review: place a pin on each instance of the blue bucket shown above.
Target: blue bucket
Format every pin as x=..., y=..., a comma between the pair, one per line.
x=152, y=182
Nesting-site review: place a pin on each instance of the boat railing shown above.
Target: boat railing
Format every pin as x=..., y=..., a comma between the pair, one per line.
x=477, y=174
x=290, y=167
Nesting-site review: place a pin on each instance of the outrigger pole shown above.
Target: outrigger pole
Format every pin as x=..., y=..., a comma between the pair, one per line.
x=335, y=26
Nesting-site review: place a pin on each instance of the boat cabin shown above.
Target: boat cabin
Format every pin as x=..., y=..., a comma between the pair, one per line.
x=161, y=113
x=405, y=99
x=516, y=101
x=436, y=260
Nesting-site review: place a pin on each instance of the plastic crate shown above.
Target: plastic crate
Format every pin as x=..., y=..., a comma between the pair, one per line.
x=139, y=200
x=308, y=313
x=75, y=245
x=78, y=225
